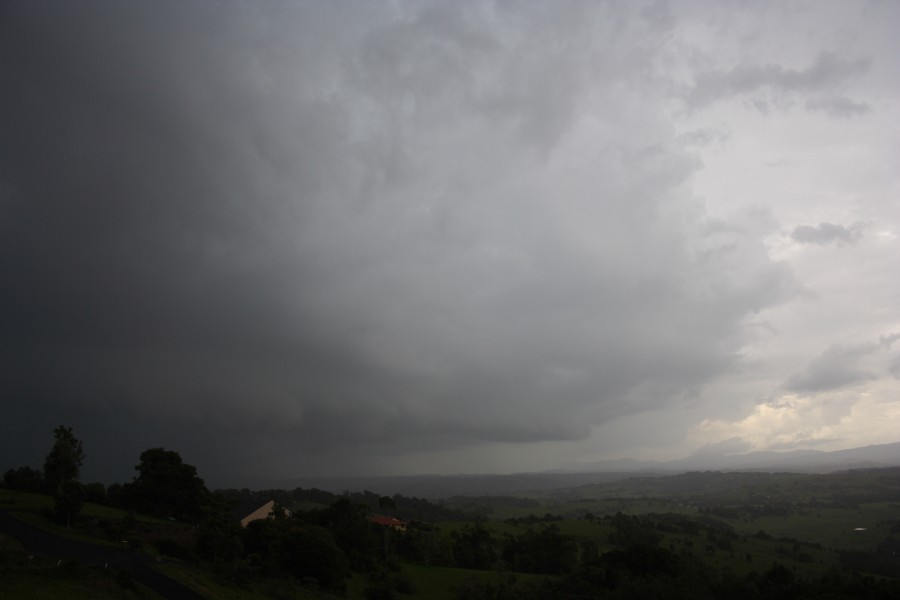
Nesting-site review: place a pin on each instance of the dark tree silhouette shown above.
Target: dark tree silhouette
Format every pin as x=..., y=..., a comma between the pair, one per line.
x=63, y=463
x=167, y=487
x=61, y=470
x=69, y=501
x=24, y=479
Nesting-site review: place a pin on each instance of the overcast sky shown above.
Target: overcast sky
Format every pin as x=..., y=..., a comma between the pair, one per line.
x=313, y=238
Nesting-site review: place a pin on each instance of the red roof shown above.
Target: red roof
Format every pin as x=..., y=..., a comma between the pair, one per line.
x=389, y=521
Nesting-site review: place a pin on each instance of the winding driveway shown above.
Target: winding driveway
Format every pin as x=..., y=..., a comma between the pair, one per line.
x=43, y=542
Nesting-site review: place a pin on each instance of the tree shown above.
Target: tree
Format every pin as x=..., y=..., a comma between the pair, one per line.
x=303, y=550
x=353, y=532
x=473, y=548
x=546, y=550
x=24, y=479
x=61, y=469
x=63, y=464
x=167, y=487
x=69, y=501
x=96, y=493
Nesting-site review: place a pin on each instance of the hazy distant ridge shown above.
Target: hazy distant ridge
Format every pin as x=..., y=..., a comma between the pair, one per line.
x=880, y=455
x=445, y=486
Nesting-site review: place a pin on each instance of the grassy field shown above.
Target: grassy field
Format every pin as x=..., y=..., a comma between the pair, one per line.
x=27, y=502
x=27, y=577
x=24, y=501
x=213, y=587
x=69, y=583
x=427, y=583
x=831, y=527
x=440, y=583
x=577, y=508
x=34, y=508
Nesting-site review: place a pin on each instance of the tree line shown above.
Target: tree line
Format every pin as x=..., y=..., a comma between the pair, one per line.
x=165, y=486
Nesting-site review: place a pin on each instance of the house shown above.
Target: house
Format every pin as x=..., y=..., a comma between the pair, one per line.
x=253, y=510
x=395, y=524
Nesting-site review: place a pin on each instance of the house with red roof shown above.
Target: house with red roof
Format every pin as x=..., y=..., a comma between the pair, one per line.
x=395, y=524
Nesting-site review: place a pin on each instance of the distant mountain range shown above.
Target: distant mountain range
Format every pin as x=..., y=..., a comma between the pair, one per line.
x=447, y=486
x=881, y=455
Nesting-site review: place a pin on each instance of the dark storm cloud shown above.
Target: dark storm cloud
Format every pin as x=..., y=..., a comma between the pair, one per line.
x=827, y=233
x=838, y=366
x=268, y=233
x=829, y=371
x=827, y=72
x=838, y=106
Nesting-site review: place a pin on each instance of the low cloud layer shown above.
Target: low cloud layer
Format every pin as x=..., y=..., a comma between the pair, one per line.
x=839, y=366
x=781, y=85
x=827, y=233
x=296, y=238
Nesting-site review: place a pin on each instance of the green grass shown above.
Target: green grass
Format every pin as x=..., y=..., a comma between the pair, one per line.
x=33, y=509
x=73, y=532
x=20, y=502
x=439, y=583
x=27, y=577
x=30, y=508
x=24, y=501
x=212, y=587
x=746, y=554
x=731, y=556
x=831, y=527
x=48, y=584
x=575, y=509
